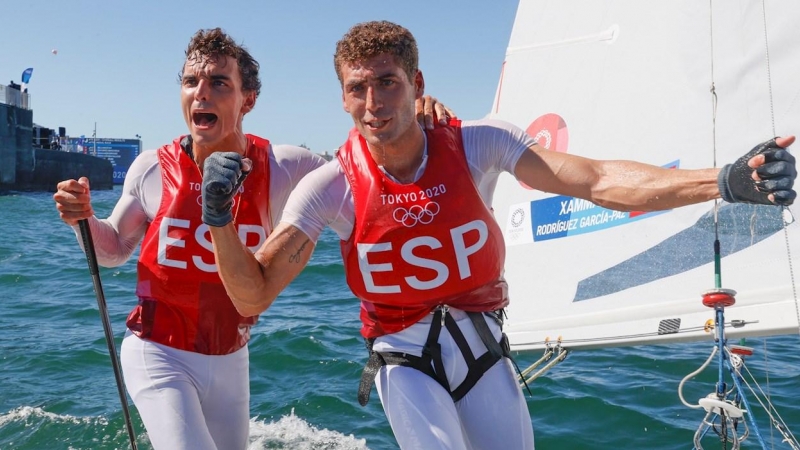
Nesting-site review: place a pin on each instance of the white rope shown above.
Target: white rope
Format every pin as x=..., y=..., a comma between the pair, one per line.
x=683, y=381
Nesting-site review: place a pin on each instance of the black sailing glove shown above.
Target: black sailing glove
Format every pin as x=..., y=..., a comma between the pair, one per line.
x=778, y=172
x=222, y=176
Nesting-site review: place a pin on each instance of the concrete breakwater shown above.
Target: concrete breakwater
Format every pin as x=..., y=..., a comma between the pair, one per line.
x=24, y=167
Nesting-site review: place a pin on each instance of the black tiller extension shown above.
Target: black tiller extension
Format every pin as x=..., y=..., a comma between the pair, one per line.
x=91, y=258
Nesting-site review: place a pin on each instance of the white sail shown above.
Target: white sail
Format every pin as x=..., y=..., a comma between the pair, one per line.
x=633, y=80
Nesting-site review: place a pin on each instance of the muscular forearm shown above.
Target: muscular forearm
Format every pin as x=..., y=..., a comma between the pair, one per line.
x=254, y=281
x=241, y=274
x=619, y=185
x=632, y=186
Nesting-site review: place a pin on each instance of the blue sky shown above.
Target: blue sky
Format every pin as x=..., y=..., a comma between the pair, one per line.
x=117, y=62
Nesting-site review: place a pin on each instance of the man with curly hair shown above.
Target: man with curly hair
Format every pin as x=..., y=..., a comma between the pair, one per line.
x=185, y=355
x=423, y=252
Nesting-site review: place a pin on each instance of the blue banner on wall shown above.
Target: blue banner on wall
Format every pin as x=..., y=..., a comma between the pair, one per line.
x=121, y=152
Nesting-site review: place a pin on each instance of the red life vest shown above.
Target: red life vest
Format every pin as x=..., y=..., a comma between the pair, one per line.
x=419, y=245
x=182, y=302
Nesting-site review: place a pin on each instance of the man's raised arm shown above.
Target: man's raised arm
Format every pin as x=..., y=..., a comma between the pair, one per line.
x=765, y=175
x=253, y=281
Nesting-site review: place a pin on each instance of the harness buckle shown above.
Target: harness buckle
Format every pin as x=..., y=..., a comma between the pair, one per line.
x=444, y=309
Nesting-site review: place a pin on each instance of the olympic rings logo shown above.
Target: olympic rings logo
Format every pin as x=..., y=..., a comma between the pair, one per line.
x=416, y=214
x=517, y=217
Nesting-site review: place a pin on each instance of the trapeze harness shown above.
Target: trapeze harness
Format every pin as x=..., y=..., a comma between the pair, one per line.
x=421, y=248
x=182, y=302
x=431, y=364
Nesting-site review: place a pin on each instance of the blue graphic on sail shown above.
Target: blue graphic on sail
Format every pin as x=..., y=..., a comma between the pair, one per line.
x=740, y=226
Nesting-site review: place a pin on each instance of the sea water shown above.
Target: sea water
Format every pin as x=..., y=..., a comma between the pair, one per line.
x=58, y=391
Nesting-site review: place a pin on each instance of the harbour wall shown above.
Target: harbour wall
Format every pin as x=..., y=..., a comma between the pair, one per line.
x=24, y=167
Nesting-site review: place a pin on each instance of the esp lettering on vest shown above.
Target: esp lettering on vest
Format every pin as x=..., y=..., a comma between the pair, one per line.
x=203, y=237
x=457, y=244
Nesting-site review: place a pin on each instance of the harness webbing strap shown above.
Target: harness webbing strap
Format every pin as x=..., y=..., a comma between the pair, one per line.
x=486, y=336
x=432, y=351
x=374, y=363
x=380, y=359
x=476, y=367
x=460, y=340
x=431, y=364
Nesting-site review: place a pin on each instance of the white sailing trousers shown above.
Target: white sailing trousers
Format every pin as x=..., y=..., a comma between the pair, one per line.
x=188, y=401
x=493, y=415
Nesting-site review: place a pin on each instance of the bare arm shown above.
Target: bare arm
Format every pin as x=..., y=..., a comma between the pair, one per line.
x=116, y=237
x=253, y=281
x=619, y=185
x=629, y=185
